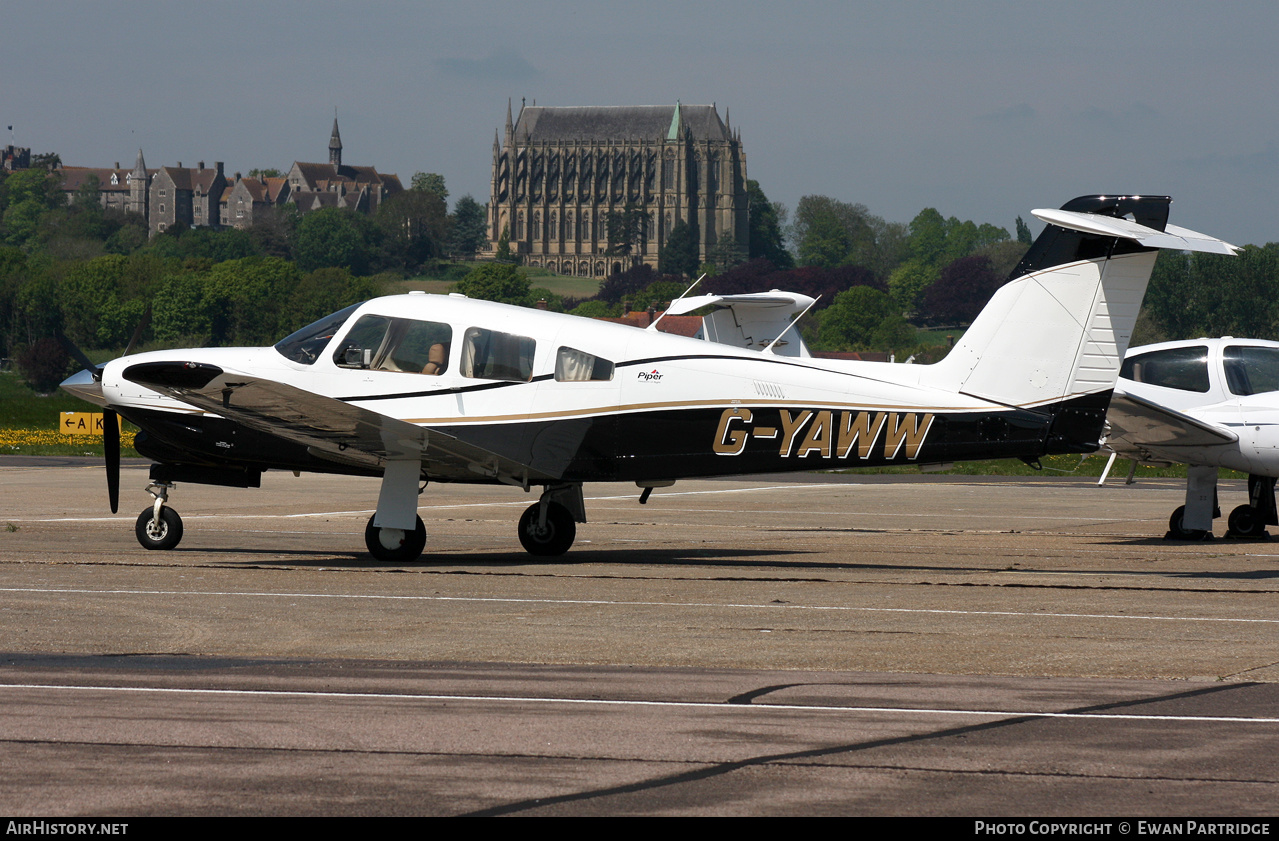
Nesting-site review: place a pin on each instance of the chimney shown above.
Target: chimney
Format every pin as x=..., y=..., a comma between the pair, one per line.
x=200, y=165
x=218, y=166
x=541, y=304
x=117, y=164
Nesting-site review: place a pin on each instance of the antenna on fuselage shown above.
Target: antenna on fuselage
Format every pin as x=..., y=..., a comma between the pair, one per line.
x=794, y=321
x=653, y=326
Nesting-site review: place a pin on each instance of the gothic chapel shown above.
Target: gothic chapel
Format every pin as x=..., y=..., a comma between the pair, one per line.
x=559, y=172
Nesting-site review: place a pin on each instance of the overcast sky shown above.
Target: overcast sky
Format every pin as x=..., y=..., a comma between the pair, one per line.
x=981, y=109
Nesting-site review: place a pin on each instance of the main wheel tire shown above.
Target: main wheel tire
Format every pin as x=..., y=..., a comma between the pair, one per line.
x=1245, y=521
x=1176, y=531
x=406, y=546
x=158, y=534
x=555, y=538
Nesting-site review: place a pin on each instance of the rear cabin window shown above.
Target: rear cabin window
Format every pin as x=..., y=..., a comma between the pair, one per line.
x=490, y=355
x=1251, y=370
x=403, y=345
x=1185, y=369
x=578, y=366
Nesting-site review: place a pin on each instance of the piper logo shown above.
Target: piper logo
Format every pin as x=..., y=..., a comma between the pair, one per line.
x=649, y=376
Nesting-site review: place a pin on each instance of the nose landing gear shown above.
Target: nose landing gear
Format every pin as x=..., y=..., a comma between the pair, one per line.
x=159, y=527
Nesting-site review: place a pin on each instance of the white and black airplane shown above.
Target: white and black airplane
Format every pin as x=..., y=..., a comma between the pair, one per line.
x=1206, y=403
x=429, y=388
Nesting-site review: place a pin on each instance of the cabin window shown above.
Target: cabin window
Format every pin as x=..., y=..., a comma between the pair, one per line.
x=578, y=366
x=490, y=355
x=306, y=345
x=1185, y=368
x=1251, y=370
x=400, y=345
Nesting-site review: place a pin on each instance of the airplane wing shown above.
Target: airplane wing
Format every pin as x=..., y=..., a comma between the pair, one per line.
x=331, y=428
x=1139, y=426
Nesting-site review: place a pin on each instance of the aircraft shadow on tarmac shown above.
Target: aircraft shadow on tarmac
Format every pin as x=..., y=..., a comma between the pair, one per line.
x=725, y=557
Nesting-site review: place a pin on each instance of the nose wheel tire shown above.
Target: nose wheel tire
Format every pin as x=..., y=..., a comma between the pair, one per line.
x=1176, y=531
x=550, y=540
x=163, y=533
x=395, y=545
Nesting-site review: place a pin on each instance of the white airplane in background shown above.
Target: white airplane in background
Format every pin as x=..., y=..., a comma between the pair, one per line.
x=427, y=388
x=1206, y=403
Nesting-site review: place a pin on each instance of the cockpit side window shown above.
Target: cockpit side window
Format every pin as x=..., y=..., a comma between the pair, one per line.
x=1184, y=368
x=306, y=345
x=403, y=345
x=576, y=366
x=1251, y=370
x=490, y=355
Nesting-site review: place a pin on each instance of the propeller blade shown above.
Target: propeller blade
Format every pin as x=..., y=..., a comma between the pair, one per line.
x=143, y=323
x=111, y=448
x=78, y=354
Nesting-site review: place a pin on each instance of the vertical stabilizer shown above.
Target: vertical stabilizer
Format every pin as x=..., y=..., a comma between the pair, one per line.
x=1059, y=329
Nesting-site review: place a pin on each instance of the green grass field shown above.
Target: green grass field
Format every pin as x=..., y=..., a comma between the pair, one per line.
x=441, y=282
x=30, y=422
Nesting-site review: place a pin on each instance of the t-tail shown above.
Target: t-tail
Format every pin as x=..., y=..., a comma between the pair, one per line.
x=1052, y=339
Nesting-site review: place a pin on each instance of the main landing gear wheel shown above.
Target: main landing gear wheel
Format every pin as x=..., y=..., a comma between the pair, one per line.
x=162, y=533
x=1176, y=531
x=555, y=537
x=395, y=544
x=1245, y=521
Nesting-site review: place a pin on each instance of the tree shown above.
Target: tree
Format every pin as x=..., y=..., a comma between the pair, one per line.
x=1023, y=232
x=96, y=309
x=503, y=254
x=250, y=299
x=274, y=229
x=766, y=222
x=909, y=280
x=862, y=318
x=679, y=255
x=625, y=229
x=263, y=174
x=415, y=229
x=334, y=237
x=430, y=182
x=726, y=253
x=48, y=161
x=499, y=282
x=829, y=233
x=961, y=291
x=29, y=194
x=470, y=229
x=936, y=241
x=44, y=364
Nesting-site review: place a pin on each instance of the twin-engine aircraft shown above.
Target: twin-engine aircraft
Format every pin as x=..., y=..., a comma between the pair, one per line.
x=426, y=388
x=1207, y=403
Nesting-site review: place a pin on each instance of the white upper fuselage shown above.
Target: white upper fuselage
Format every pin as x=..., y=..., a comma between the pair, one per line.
x=1227, y=383
x=654, y=371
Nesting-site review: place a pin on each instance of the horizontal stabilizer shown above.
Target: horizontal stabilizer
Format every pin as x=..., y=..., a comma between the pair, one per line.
x=1172, y=237
x=793, y=300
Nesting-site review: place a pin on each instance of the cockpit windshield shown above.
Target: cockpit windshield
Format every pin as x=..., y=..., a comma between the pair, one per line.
x=306, y=345
x=1251, y=370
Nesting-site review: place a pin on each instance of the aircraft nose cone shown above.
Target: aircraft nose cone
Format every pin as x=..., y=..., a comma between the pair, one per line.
x=84, y=386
